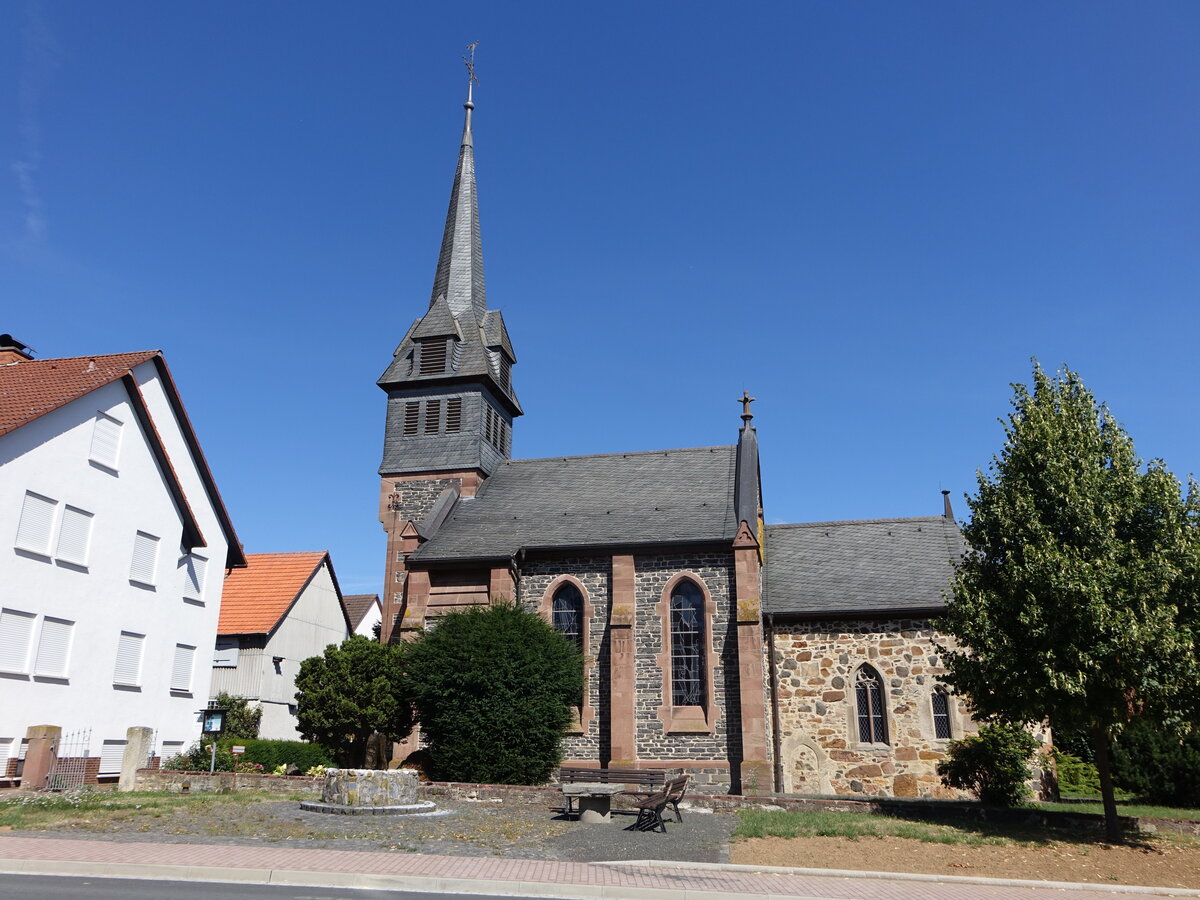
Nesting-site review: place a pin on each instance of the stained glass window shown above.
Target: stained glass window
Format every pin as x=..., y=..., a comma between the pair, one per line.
x=687, y=646
x=868, y=691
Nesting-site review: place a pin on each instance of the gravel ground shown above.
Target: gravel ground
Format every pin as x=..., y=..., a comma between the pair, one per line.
x=459, y=828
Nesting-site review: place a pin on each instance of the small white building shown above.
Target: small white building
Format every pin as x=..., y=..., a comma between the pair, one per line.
x=113, y=539
x=275, y=613
x=364, y=613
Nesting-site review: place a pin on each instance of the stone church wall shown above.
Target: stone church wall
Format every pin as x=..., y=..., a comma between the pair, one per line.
x=819, y=739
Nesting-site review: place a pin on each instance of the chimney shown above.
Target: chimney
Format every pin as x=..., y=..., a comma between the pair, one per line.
x=947, y=509
x=13, y=351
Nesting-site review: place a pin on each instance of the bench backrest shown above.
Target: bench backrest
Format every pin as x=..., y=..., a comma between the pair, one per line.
x=574, y=774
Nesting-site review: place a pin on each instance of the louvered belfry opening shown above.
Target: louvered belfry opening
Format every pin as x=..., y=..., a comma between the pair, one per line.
x=454, y=415
x=432, y=357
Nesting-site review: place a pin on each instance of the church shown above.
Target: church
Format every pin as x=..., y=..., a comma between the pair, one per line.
x=759, y=659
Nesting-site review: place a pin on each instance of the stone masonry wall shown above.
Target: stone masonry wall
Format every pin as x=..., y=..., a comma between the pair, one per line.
x=594, y=573
x=652, y=572
x=417, y=497
x=819, y=739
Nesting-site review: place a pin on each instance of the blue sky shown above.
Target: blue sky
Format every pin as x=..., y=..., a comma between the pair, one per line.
x=870, y=215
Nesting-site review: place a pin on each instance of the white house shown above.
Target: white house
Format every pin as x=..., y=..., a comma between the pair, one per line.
x=364, y=612
x=113, y=538
x=275, y=613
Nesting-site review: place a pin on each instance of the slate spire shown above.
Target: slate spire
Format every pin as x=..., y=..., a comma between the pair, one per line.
x=459, y=276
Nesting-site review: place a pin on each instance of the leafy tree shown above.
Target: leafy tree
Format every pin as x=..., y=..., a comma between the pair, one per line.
x=1077, y=598
x=351, y=691
x=1158, y=765
x=993, y=763
x=241, y=719
x=493, y=688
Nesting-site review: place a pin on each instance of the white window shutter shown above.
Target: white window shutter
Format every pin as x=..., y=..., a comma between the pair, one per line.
x=7, y=745
x=54, y=646
x=37, y=521
x=129, y=659
x=112, y=754
x=106, y=441
x=145, y=558
x=74, y=535
x=16, y=628
x=181, y=673
x=195, y=567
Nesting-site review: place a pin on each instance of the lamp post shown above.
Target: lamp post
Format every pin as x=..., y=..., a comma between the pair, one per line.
x=213, y=723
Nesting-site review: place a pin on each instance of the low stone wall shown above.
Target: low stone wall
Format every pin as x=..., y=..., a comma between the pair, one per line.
x=226, y=782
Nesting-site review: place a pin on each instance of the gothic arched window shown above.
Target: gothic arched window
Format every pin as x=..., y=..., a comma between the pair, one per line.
x=688, y=677
x=568, y=613
x=941, y=713
x=868, y=695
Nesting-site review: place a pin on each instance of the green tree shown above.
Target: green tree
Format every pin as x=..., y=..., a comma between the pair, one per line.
x=494, y=688
x=241, y=719
x=1076, y=600
x=351, y=691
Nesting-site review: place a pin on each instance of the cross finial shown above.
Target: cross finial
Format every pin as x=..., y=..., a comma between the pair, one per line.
x=746, y=400
x=469, y=61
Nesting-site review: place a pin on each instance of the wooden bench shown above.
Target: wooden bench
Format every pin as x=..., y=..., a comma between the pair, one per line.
x=652, y=778
x=650, y=808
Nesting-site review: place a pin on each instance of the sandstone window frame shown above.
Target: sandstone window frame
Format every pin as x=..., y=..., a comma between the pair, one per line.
x=687, y=719
x=875, y=715
x=582, y=717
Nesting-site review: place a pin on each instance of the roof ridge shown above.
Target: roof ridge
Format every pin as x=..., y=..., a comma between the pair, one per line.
x=855, y=522
x=147, y=353
x=289, y=553
x=533, y=459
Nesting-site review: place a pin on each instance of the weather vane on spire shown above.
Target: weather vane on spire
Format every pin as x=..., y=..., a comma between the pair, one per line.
x=470, y=63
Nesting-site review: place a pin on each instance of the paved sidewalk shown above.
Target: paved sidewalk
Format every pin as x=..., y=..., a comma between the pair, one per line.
x=491, y=875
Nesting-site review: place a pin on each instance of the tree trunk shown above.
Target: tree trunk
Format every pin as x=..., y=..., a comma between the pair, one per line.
x=1102, y=744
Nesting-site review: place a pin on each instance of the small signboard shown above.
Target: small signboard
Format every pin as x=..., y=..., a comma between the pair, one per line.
x=237, y=750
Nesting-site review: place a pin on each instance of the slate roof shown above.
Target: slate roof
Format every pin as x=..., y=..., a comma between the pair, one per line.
x=357, y=606
x=663, y=496
x=34, y=387
x=866, y=566
x=256, y=598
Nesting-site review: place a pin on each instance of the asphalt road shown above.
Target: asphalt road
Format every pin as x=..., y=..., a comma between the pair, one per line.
x=69, y=887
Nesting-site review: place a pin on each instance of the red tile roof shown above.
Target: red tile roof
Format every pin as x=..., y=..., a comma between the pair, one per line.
x=34, y=387
x=255, y=598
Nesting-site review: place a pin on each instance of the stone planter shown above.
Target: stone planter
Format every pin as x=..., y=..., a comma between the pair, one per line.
x=379, y=792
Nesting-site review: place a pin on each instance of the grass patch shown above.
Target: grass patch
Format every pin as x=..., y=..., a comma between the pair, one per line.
x=1126, y=809
x=38, y=810
x=757, y=823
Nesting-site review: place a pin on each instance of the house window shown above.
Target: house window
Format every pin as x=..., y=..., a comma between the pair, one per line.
x=171, y=749
x=128, y=670
x=37, y=521
x=106, y=441
x=687, y=646
x=74, y=536
x=432, y=357
x=568, y=614
x=868, y=694
x=54, y=647
x=941, y=714
x=112, y=753
x=194, y=569
x=181, y=671
x=454, y=415
x=145, y=559
x=16, y=630
x=412, y=416
x=433, y=416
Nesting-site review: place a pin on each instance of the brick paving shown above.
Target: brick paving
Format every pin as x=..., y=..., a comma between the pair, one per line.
x=207, y=862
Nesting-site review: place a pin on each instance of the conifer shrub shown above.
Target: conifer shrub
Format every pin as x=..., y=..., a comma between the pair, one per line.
x=1157, y=765
x=493, y=687
x=993, y=764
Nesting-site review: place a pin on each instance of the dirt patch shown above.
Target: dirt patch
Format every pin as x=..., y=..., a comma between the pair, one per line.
x=1158, y=863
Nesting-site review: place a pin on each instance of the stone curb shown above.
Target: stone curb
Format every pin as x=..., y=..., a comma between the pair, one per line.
x=563, y=891
x=912, y=876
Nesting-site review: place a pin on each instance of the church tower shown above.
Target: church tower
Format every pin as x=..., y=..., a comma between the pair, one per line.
x=450, y=402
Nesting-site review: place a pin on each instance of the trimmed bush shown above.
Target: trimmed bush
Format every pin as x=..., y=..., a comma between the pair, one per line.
x=1075, y=776
x=260, y=755
x=1157, y=765
x=994, y=764
x=494, y=687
